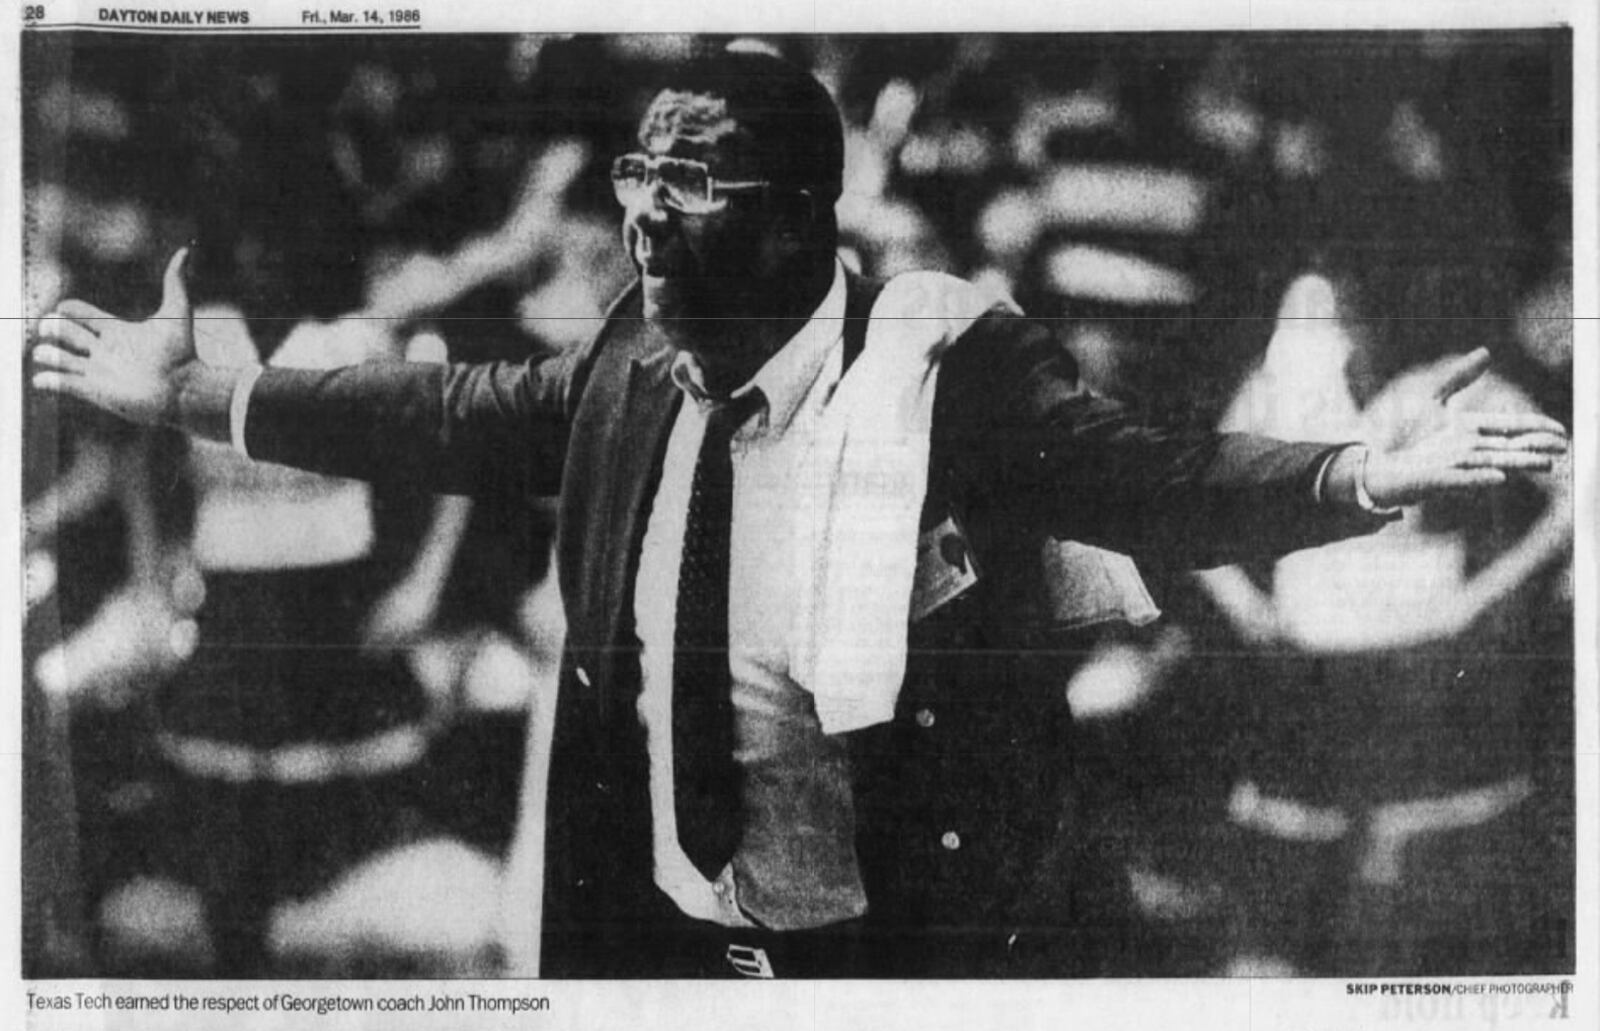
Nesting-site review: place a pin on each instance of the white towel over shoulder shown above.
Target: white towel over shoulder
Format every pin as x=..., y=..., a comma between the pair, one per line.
x=856, y=539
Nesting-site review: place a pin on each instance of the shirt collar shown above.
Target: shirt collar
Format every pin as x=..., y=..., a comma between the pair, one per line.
x=787, y=377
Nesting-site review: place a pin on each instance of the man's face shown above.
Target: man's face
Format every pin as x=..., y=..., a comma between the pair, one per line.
x=699, y=268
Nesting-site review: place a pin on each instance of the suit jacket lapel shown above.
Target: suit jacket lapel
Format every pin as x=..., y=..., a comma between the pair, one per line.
x=618, y=441
x=651, y=402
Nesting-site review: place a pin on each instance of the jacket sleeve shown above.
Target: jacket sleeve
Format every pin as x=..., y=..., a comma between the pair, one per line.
x=452, y=429
x=1029, y=442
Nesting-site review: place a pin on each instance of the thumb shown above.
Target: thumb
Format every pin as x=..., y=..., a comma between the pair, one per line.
x=1461, y=373
x=175, y=288
x=1310, y=297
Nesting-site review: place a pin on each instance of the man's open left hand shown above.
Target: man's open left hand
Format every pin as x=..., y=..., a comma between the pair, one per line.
x=1439, y=449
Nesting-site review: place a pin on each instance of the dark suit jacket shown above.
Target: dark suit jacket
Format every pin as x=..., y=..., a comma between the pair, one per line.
x=966, y=802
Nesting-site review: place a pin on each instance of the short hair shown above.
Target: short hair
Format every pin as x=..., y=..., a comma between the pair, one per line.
x=789, y=116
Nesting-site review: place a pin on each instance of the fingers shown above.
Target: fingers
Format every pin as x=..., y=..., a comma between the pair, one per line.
x=1519, y=461
x=73, y=335
x=175, y=287
x=51, y=357
x=1474, y=479
x=1542, y=443
x=62, y=383
x=1523, y=442
x=1461, y=373
x=1512, y=423
x=82, y=311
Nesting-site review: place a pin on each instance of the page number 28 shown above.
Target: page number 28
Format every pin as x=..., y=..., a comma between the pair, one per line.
x=32, y=12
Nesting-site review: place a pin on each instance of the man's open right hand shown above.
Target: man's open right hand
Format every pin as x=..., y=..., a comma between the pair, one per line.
x=132, y=369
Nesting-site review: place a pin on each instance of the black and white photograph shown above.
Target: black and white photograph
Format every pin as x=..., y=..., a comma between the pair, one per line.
x=503, y=510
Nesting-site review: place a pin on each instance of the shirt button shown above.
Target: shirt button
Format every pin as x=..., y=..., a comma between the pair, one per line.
x=583, y=677
x=951, y=840
x=925, y=718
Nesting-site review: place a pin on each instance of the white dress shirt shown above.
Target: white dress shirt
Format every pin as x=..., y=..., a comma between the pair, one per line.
x=795, y=866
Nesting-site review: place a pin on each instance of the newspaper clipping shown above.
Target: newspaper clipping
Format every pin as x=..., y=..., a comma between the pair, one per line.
x=1011, y=517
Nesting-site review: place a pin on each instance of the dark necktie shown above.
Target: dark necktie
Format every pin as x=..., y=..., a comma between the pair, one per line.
x=705, y=776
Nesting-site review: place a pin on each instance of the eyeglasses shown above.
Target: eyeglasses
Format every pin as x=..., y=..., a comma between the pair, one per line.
x=688, y=184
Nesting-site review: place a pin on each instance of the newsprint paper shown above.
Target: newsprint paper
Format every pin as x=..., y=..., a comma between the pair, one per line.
x=328, y=707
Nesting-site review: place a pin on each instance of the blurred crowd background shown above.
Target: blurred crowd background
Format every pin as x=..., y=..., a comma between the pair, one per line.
x=277, y=724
